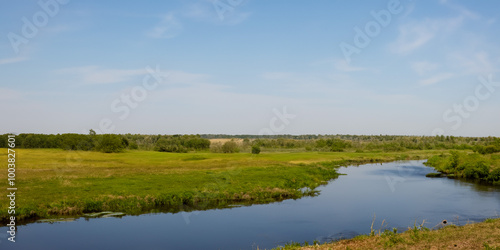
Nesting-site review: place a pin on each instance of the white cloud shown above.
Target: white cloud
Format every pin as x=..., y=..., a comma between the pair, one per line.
x=414, y=35
x=168, y=27
x=96, y=75
x=436, y=79
x=461, y=9
x=474, y=63
x=12, y=60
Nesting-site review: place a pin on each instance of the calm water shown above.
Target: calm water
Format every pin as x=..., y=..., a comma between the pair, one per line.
x=398, y=192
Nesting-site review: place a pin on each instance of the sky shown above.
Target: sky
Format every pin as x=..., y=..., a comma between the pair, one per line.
x=393, y=67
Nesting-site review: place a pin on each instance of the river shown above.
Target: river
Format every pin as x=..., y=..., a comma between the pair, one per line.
x=397, y=193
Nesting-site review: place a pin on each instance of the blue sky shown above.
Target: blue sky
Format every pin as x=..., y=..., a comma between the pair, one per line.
x=236, y=66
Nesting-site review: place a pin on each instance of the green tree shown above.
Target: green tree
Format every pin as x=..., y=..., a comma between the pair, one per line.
x=255, y=149
x=110, y=143
x=230, y=147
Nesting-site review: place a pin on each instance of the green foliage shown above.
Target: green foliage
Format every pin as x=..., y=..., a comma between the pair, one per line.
x=333, y=144
x=230, y=147
x=170, y=145
x=92, y=206
x=492, y=148
x=255, y=149
x=469, y=166
x=494, y=176
x=488, y=247
x=489, y=220
x=181, y=143
x=392, y=237
x=133, y=145
x=475, y=170
x=76, y=142
x=110, y=143
x=432, y=175
x=415, y=232
x=454, y=160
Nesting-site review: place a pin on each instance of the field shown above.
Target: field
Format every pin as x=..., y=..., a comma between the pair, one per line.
x=55, y=182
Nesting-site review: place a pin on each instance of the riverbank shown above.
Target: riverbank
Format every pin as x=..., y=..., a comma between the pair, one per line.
x=484, y=235
x=53, y=183
x=476, y=167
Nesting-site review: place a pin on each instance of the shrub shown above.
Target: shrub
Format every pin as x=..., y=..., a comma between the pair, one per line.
x=110, y=143
x=454, y=160
x=490, y=149
x=166, y=145
x=494, y=176
x=133, y=145
x=255, y=149
x=76, y=142
x=92, y=206
x=477, y=170
x=230, y=147
x=181, y=143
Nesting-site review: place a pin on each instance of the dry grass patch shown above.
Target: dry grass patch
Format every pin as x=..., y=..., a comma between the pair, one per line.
x=484, y=235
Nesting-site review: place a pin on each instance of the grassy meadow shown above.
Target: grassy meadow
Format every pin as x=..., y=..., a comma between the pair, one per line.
x=56, y=182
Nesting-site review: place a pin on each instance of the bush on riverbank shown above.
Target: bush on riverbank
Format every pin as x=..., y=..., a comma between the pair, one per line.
x=469, y=166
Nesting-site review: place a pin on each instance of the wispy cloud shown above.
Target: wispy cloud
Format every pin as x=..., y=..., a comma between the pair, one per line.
x=474, y=63
x=460, y=9
x=96, y=75
x=168, y=27
x=436, y=79
x=414, y=35
x=12, y=60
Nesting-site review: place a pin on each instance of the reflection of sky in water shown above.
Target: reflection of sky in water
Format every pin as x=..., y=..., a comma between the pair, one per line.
x=397, y=192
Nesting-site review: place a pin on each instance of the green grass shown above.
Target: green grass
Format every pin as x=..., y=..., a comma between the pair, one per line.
x=53, y=182
x=472, y=166
x=484, y=235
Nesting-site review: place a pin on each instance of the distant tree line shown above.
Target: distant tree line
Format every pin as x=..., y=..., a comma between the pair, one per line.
x=181, y=143
x=109, y=143
x=253, y=143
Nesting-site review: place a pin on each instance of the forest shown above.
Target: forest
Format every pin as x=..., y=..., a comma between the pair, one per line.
x=109, y=143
